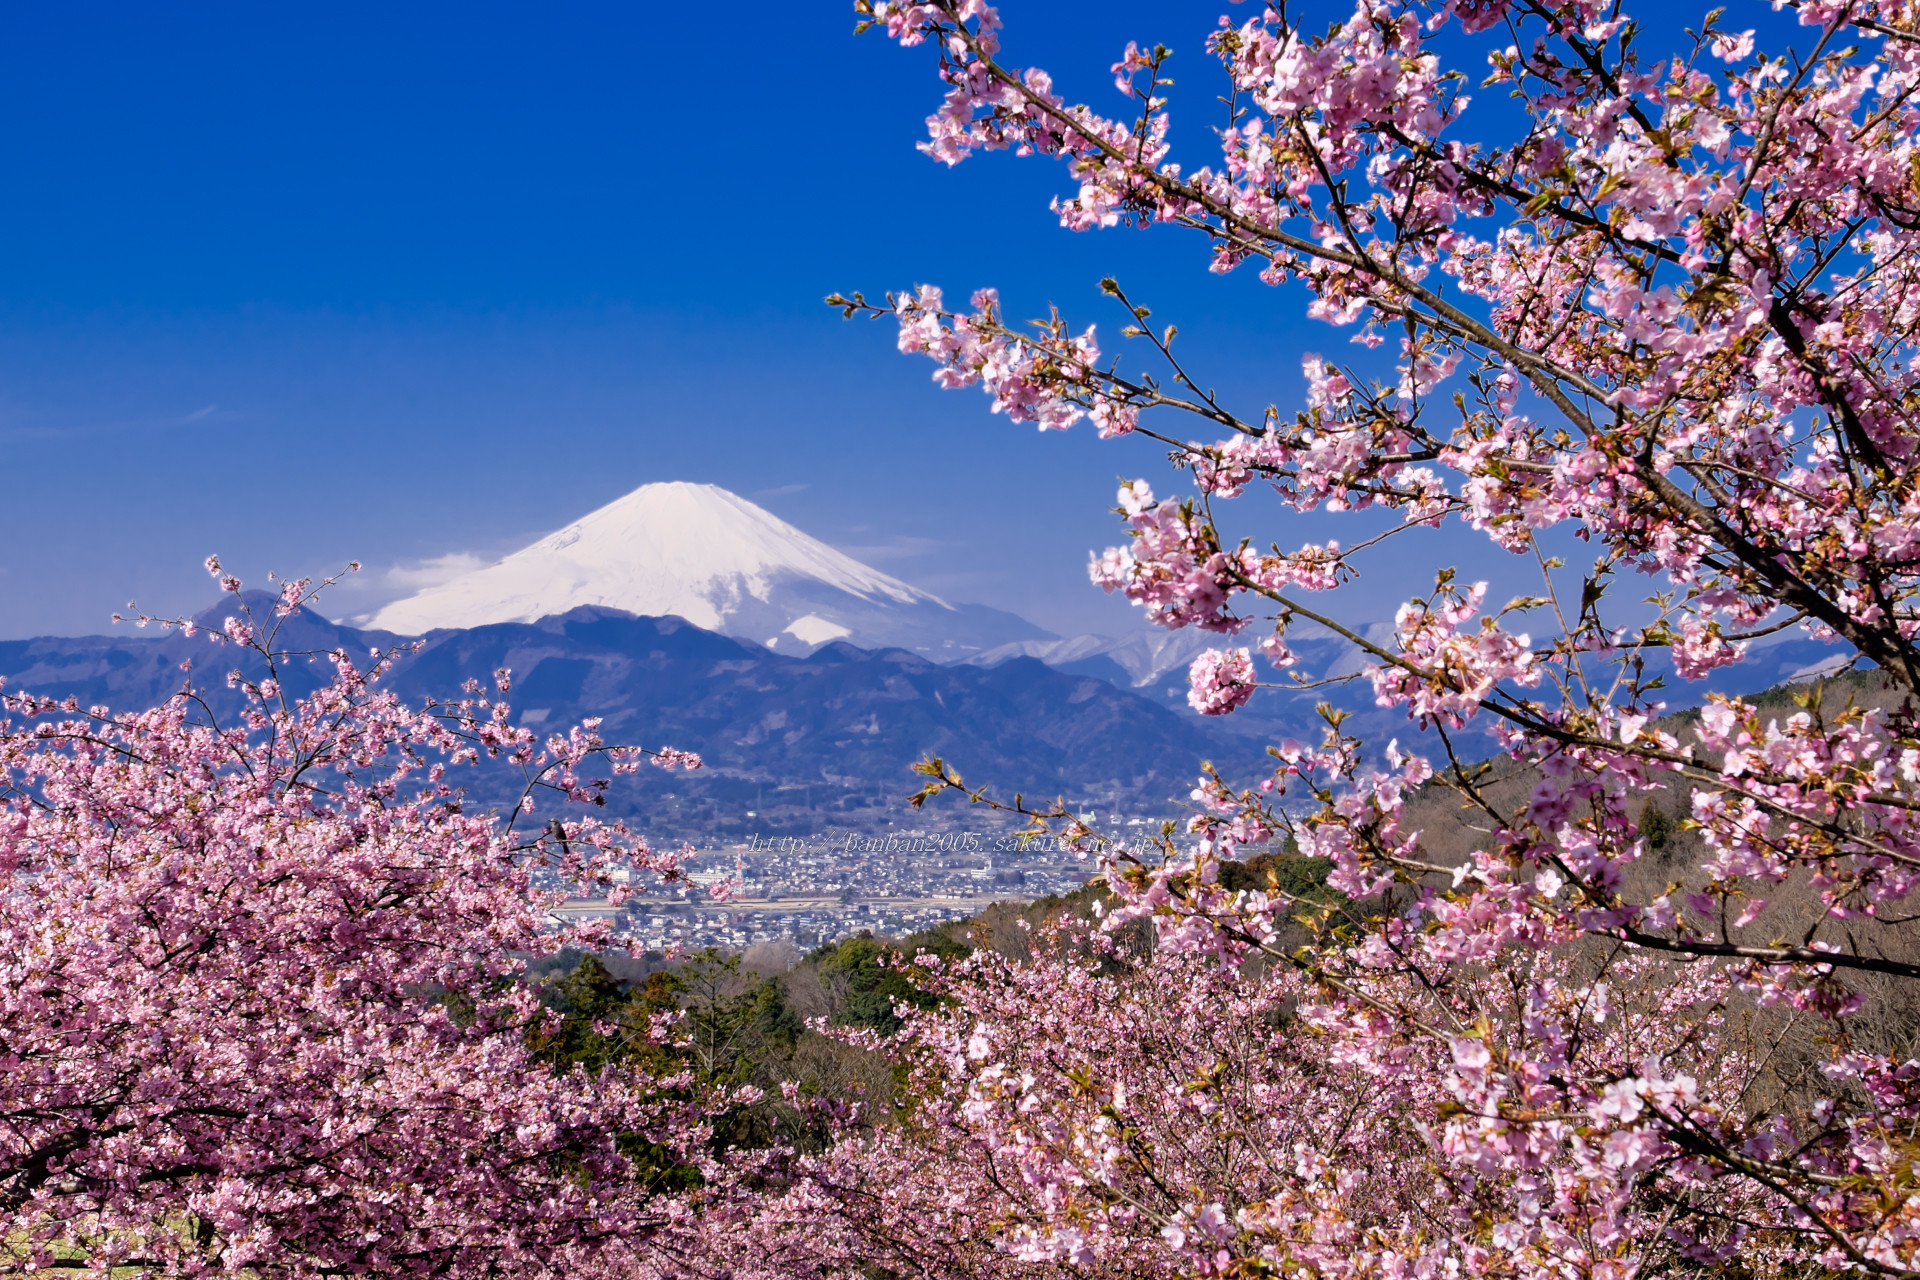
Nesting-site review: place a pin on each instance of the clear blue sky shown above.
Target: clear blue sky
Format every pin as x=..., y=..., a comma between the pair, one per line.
x=304, y=283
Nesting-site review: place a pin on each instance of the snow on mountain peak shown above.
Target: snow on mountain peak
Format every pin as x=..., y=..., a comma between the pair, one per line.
x=694, y=550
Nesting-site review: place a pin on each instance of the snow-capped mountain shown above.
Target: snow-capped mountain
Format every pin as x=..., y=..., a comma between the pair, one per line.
x=1150, y=656
x=698, y=552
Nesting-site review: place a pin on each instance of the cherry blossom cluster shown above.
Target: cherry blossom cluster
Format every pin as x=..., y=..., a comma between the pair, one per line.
x=1446, y=671
x=1220, y=680
x=1024, y=375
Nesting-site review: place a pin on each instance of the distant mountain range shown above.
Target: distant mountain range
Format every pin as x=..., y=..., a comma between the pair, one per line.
x=1153, y=664
x=830, y=737
x=687, y=616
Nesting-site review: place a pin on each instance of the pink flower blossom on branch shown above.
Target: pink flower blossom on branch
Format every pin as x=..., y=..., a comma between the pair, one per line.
x=1220, y=680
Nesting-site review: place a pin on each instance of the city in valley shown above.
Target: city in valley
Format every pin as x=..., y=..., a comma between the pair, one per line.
x=815, y=889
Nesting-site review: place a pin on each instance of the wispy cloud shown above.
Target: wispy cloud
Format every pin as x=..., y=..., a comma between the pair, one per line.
x=405, y=577
x=14, y=430
x=418, y=575
x=359, y=596
x=781, y=491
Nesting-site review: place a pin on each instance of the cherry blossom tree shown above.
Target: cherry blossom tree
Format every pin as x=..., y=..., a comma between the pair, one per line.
x=258, y=1008
x=1659, y=305
x=1087, y=1112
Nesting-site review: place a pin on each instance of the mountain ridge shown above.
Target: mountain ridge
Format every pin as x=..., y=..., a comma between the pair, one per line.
x=829, y=736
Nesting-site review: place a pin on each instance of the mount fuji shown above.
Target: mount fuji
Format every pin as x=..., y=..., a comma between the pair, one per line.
x=708, y=556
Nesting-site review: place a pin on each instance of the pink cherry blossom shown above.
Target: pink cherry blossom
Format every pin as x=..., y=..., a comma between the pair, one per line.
x=1657, y=309
x=1220, y=680
x=258, y=998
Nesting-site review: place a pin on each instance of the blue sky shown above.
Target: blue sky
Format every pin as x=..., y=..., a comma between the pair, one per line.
x=303, y=283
